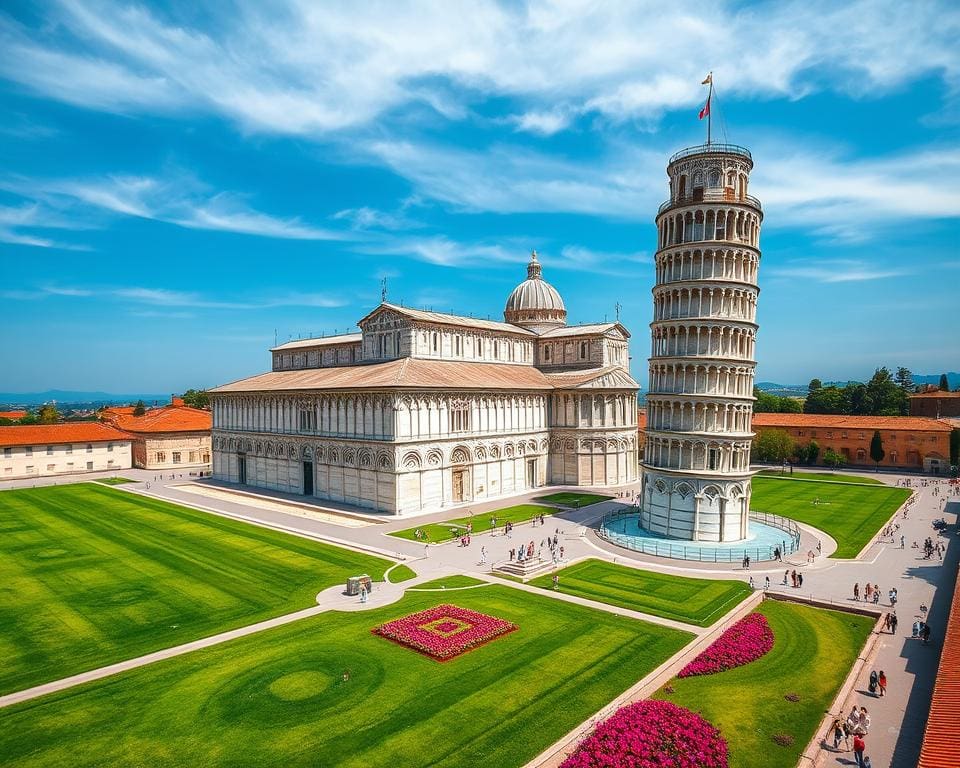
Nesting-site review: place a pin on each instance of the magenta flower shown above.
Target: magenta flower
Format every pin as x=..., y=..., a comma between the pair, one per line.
x=652, y=734
x=746, y=641
x=445, y=631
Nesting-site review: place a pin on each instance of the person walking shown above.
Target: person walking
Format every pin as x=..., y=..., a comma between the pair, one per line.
x=858, y=748
x=766, y=584
x=800, y=581
x=556, y=582
x=483, y=555
x=837, y=730
x=882, y=683
x=856, y=592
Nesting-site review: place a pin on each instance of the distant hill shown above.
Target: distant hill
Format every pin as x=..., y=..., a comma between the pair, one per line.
x=953, y=378
x=800, y=390
x=76, y=398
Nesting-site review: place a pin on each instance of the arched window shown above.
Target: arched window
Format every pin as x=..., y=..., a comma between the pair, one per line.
x=682, y=188
x=583, y=350
x=436, y=341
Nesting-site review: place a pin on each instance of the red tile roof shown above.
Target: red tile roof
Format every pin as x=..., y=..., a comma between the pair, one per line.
x=827, y=421
x=58, y=434
x=12, y=414
x=941, y=741
x=936, y=393
x=170, y=418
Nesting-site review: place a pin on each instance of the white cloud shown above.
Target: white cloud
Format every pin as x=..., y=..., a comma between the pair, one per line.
x=301, y=67
x=543, y=123
x=178, y=198
x=836, y=271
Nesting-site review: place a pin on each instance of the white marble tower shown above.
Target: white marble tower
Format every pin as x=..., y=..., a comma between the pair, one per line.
x=696, y=471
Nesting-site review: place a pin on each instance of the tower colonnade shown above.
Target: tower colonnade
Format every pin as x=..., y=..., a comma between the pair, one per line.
x=696, y=480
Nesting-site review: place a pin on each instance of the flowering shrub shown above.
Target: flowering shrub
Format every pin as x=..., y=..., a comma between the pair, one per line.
x=444, y=631
x=652, y=734
x=747, y=640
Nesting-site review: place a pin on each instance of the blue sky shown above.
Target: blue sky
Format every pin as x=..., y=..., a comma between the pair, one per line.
x=178, y=183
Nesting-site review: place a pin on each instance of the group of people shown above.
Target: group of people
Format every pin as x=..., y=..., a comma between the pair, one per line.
x=921, y=630
x=929, y=547
x=855, y=726
x=871, y=593
x=522, y=553
x=795, y=578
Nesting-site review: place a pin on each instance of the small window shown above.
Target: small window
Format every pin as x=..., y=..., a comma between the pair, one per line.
x=583, y=349
x=161, y=457
x=843, y=435
x=31, y=469
x=49, y=450
x=69, y=450
x=51, y=467
x=110, y=462
x=206, y=458
x=193, y=457
x=546, y=353
x=713, y=459
x=862, y=436
x=799, y=433
x=89, y=448
x=176, y=457
x=308, y=420
x=89, y=465
x=8, y=451
x=28, y=451
x=436, y=342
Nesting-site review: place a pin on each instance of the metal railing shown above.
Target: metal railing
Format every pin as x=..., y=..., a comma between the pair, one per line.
x=708, y=196
x=711, y=149
x=679, y=550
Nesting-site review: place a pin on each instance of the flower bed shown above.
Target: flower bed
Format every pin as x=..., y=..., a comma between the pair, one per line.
x=445, y=631
x=746, y=641
x=652, y=734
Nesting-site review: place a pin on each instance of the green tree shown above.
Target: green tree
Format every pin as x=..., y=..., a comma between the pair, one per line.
x=904, y=379
x=944, y=383
x=833, y=459
x=30, y=418
x=765, y=402
x=139, y=409
x=791, y=405
x=813, y=452
x=815, y=384
x=955, y=447
x=196, y=398
x=825, y=400
x=774, y=445
x=48, y=414
x=5, y=422
x=876, y=448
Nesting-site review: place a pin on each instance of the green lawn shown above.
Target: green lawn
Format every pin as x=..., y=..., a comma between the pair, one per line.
x=694, y=601
x=851, y=514
x=832, y=477
x=401, y=573
x=278, y=698
x=451, y=529
x=573, y=499
x=90, y=576
x=456, y=581
x=114, y=481
x=812, y=655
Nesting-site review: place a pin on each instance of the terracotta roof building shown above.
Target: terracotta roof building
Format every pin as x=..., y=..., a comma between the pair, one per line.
x=909, y=442
x=57, y=449
x=936, y=404
x=173, y=436
x=941, y=740
x=12, y=415
x=421, y=409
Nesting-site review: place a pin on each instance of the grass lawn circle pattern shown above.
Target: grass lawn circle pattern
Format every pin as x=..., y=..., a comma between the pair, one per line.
x=445, y=631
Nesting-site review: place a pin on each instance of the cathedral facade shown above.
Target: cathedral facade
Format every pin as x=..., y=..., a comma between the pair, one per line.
x=422, y=410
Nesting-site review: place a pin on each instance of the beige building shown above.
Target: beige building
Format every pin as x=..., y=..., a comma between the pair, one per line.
x=171, y=437
x=421, y=410
x=60, y=449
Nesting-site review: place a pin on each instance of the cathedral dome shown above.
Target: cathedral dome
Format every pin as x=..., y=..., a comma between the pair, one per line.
x=535, y=304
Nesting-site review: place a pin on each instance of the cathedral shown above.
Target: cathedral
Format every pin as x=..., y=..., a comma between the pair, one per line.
x=423, y=410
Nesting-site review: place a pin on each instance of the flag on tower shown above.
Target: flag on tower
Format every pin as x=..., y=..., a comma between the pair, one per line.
x=708, y=79
x=706, y=109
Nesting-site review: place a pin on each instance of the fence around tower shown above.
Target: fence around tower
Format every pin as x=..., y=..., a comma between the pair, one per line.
x=679, y=550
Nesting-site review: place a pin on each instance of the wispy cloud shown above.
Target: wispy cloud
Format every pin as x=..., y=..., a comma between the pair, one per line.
x=178, y=198
x=836, y=271
x=339, y=66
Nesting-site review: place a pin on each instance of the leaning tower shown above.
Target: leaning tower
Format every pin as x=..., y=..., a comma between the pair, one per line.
x=696, y=478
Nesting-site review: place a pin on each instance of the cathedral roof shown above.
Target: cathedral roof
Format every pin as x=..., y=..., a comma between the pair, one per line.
x=320, y=341
x=613, y=377
x=444, y=318
x=404, y=373
x=590, y=329
x=534, y=295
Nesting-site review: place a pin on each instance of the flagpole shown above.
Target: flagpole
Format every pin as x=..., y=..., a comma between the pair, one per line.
x=710, y=110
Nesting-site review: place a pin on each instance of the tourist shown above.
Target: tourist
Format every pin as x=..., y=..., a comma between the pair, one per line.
x=751, y=583
x=483, y=555
x=799, y=581
x=893, y=623
x=776, y=554
x=925, y=633
x=793, y=575
x=876, y=595
x=561, y=553
x=363, y=593
x=858, y=747
x=786, y=575
x=556, y=581
x=766, y=584
x=856, y=592
x=837, y=730
x=867, y=592
x=512, y=553
x=882, y=683
x=864, y=726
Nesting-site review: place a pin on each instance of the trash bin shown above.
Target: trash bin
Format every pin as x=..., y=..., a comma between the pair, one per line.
x=353, y=585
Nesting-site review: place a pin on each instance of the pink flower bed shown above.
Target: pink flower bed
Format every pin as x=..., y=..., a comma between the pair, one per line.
x=652, y=734
x=747, y=640
x=444, y=631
